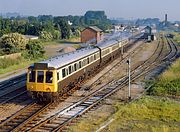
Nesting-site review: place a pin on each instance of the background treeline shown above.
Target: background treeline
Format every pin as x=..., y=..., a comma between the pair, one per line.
x=47, y=28
x=50, y=27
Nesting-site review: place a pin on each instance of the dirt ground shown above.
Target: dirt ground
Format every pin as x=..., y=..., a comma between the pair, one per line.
x=58, y=49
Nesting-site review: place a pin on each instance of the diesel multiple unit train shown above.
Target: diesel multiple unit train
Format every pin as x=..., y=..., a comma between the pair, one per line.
x=51, y=78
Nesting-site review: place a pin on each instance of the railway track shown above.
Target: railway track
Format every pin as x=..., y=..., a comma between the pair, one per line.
x=12, y=95
x=63, y=118
x=22, y=116
x=12, y=89
x=13, y=81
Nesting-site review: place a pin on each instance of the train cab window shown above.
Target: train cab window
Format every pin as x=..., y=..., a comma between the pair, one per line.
x=63, y=73
x=75, y=67
x=88, y=60
x=32, y=76
x=40, y=76
x=70, y=70
x=49, y=77
x=80, y=64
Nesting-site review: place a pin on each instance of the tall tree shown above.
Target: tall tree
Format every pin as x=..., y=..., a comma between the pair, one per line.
x=64, y=27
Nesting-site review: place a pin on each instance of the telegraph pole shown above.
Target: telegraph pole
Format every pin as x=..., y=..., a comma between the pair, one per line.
x=129, y=74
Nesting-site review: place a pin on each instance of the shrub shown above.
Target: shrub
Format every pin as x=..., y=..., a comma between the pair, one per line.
x=13, y=43
x=34, y=50
x=46, y=36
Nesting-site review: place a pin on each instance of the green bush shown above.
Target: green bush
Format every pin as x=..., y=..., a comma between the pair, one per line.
x=34, y=50
x=46, y=36
x=12, y=43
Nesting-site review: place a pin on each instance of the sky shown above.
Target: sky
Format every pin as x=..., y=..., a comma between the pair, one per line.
x=129, y=9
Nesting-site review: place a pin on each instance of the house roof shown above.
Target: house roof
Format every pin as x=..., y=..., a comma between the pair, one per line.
x=94, y=28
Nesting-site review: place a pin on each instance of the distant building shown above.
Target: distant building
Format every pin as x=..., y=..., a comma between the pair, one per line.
x=31, y=37
x=91, y=34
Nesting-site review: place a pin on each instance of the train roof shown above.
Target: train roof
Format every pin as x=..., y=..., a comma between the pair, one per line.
x=116, y=37
x=64, y=59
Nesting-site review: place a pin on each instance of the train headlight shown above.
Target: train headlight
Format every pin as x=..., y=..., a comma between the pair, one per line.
x=32, y=87
x=48, y=89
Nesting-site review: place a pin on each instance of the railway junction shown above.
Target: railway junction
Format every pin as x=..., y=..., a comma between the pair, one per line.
x=148, y=60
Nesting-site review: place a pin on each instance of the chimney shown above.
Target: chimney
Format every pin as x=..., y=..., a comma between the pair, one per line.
x=165, y=19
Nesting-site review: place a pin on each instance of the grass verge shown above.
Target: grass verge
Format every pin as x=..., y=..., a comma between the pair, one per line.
x=147, y=114
x=168, y=84
x=176, y=37
x=75, y=40
x=16, y=64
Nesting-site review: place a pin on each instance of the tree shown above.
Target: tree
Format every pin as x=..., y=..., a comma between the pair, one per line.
x=45, y=35
x=13, y=42
x=63, y=26
x=33, y=29
x=34, y=50
x=56, y=34
x=76, y=32
x=97, y=18
x=32, y=19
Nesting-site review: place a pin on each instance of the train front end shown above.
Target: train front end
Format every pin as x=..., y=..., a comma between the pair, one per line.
x=42, y=82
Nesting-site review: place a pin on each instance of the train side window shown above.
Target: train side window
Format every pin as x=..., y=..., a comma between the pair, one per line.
x=103, y=53
x=75, y=67
x=70, y=70
x=63, y=73
x=49, y=77
x=80, y=65
x=32, y=76
x=88, y=60
x=84, y=62
x=94, y=57
x=97, y=55
x=40, y=76
x=67, y=71
x=91, y=58
x=77, y=64
x=58, y=76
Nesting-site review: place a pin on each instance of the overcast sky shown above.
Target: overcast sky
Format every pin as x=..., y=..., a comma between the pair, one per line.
x=130, y=9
